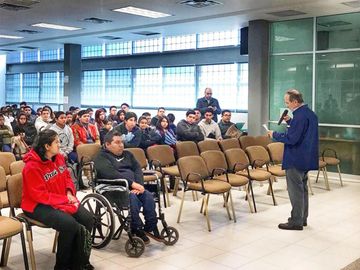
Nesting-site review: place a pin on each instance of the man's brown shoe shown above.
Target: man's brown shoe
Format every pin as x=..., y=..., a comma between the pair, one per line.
x=287, y=226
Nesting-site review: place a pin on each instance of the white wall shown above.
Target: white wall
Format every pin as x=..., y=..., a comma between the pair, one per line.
x=2, y=79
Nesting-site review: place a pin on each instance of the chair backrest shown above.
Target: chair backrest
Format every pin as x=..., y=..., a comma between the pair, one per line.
x=214, y=159
x=87, y=152
x=186, y=148
x=2, y=179
x=276, y=151
x=163, y=153
x=6, y=158
x=262, y=141
x=236, y=156
x=139, y=155
x=207, y=145
x=258, y=154
x=14, y=187
x=192, y=164
x=229, y=144
x=247, y=141
x=17, y=167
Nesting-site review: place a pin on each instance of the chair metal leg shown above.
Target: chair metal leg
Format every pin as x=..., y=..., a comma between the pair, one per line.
x=226, y=198
x=5, y=251
x=176, y=186
x=317, y=176
x=23, y=245
x=206, y=211
x=164, y=191
x=55, y=241
x=248, y=198
x=324, y=171
x=252, y=195
x=341, y=182
x=232, y=206
x=202, y=205
x=31, y=249
x=272, y=192
x=310, y=186
x=167, y=194
x=196, y=196
x=181, y=206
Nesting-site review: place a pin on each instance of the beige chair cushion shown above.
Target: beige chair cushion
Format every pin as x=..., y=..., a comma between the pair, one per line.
x=4, y=199
x=277, y=171
x=211, y=186
x=151, y=177
x=235, y=180
x=32, y=221
x=9, y=227
x=322, y=164
x=331, y=160
x=171, y=170
x=258, y=174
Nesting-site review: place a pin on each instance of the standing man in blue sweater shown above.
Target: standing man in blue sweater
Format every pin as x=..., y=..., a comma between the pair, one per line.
x=301, y=155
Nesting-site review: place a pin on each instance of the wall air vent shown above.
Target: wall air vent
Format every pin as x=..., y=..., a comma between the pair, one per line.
x=200, y=3
x=110, y=37
x=16, y=5
x=27, y=31
x=146, y=33
x=96, y=20
x=352, y=4
x=286, y=13
x=28, y=47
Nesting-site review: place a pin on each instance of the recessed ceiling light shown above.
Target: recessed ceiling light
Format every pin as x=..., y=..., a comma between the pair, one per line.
x=56, y=26
x=10, y=37
x=142, y=12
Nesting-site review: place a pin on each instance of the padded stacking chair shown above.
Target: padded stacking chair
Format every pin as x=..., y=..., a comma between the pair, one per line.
x=262, y=141
x=149, y=175
x=6, y=158
x=207, y=145
x=86, y=154
x=229, y=144
x=10, y=227
x=3, y=193
x=246, y=141
x=322, y=167
x=17, y=167
x=186, y=148
x=163, y=159
x=331, y=161
x=14, y=188
x=239, y=163
x=218, y=169
x=195, y=176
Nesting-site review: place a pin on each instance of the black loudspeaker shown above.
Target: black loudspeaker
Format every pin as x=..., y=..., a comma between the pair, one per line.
x=244, y=40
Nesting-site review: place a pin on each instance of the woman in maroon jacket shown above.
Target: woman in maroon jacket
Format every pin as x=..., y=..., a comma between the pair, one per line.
x=49, y=196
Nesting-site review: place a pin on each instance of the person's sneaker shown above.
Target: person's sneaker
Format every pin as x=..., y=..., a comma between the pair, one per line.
x=155, y=235
x=304, y=223
x=141, y=234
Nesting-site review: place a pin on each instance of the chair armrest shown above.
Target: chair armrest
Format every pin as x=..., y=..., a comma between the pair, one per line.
x=200, y=178
x=156, y=163
x=242, y=166
x=257, y=162
x=119, y=182
x=215, y=170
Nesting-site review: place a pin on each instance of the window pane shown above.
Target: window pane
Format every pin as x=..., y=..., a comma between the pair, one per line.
x=48, y=55
x=48, y=86
x=289, y=72
x=31, y=87
x=13, y=57
x=148, y=88
x=292, y=36
x=214, y=39
x=180, y=43
x=61, y=54
x=338, y=88
x=92, y=85
x=12, y=92
x=61, y=88
x=118, y=48
x=147, y=45
x=338, y=32
x=92, y=51
x=228, y=88
x=179, y=87
x=30, y=56
x=117, y=87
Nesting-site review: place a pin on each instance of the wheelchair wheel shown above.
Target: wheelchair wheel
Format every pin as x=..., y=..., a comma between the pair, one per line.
x=135, y=248
x=104, y=225
x=170, y=235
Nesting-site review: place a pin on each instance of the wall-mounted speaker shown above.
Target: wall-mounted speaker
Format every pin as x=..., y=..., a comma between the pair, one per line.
x=244, y=40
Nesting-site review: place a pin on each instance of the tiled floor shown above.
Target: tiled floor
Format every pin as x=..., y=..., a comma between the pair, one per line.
x=331, y=240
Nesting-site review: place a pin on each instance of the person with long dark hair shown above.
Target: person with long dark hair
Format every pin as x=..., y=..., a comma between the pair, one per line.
x=167, y=134
x=100, y=116
x=25, y=128
x=49, y=196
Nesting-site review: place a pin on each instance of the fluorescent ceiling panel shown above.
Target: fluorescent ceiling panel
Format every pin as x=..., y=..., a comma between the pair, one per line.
x=56, y=26
x=142, y=12
x=10, y=37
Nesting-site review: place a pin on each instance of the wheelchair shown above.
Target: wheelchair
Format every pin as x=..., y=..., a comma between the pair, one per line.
x=110, y=199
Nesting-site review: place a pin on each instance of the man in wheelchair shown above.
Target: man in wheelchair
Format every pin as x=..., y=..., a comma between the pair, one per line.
x=113, y=162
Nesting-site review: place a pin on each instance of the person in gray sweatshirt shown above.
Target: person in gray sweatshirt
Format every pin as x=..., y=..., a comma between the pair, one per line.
x=66, y=137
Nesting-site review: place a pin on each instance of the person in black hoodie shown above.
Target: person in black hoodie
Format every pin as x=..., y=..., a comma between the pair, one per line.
x=25, y=128
x=188, y=130
x=113, y=162
x=128, y=130
x=149, y=136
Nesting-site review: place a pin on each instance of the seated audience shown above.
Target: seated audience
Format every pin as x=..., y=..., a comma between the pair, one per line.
x=66, y=137
x=115, y=163
x=99, y=119
x=160, y=112
x=29, y=114
x=125, y=107
x=120, y=117
x=130, y=133
x=171, y=118
x=83, y=131
x=112, y=114
x=208, y=127
x=167, y=135
x=108, y=126
x=69, y=118
x=43, y=120
x=197, y=115
x=148, y=117
x=25, y=129
x=5, y=135
x=188, y=130
x=225, y=123
x=49, y=197
x=91, y=113
x=148, y=135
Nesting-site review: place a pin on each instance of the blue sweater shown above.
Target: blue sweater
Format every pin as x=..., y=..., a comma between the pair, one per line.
x=301, y=141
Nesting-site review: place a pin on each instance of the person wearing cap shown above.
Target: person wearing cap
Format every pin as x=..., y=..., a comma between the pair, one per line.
x=83, y=131
x=129, y=131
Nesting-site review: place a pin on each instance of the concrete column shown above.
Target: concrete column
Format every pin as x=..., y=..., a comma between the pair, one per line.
x=72, y=75
x=258, y=76
x=2, y=78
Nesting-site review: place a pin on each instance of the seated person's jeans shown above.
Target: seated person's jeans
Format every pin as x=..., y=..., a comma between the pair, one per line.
x=146, y=201
x=6, y=148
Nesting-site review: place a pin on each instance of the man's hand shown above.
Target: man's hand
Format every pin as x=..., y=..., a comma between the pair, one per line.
x=287, y=118
x=270, y=133
x=71, y=198
x=137, y=188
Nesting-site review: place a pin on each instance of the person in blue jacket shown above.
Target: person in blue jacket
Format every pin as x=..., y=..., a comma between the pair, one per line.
x=208, y=102
x=301, y=154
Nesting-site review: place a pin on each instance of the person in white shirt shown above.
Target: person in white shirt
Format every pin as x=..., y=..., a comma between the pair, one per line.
x=43, y=120
x=209, y=127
